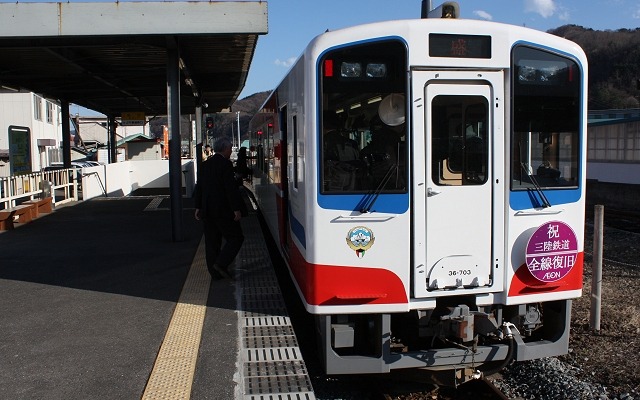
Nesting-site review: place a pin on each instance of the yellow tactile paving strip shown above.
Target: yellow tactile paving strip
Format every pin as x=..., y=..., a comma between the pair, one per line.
x=172, y=374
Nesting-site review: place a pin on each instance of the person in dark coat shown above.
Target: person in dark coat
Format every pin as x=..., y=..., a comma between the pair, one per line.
x=242, y=169
x=219, y=205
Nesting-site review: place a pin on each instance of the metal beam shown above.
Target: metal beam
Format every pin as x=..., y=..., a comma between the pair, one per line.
x=66, y=133
x=132, y=18
x=113, y=139
x=173, y=118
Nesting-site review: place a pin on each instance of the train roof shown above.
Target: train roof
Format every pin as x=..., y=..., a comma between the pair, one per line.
x=415, y=32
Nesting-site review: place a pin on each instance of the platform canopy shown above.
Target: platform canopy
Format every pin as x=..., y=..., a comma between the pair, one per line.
x=112, y=57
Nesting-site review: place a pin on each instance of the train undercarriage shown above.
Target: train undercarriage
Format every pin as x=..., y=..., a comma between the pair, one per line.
x=452, y=343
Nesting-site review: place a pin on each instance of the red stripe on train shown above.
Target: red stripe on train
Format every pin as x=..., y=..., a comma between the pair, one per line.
x=331, y=285
x=524, y=283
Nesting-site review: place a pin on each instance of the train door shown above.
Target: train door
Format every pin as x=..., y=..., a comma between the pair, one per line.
x=455, y=118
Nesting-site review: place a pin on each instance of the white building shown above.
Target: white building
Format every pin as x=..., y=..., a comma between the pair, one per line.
x=95, y=136
x=30, y=131
x=31, y=134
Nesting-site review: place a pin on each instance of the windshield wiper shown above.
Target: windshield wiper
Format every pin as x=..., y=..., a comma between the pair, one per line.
x=534, y=181
x=371, y=198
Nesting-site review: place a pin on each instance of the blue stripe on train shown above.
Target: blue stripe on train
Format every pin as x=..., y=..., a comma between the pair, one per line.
x=396, y=203
x=524, y=200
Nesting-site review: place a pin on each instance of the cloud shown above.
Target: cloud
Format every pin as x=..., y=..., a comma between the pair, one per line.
x=636, y=14
x=545, y=8
x=483, y=15
x=564, y=15
x=286, y=63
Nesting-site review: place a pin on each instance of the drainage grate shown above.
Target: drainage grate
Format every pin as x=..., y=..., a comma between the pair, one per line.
x=256, y=309
x=263, y=297
x=263, y=291
x=260, y=342
x=268, y=330
x=277, y=384
x=269, y=320
x=271, y=307
x=251, y=280
x=274, y=354
x=273, y=368
x=283, y=396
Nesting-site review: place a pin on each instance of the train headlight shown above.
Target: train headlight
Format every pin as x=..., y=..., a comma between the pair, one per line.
x=355, y=70
x=350, y=70
x=376, y=70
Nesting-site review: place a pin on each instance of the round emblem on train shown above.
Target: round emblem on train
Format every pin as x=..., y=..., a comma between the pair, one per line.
x=552, y=251
x=360, y=239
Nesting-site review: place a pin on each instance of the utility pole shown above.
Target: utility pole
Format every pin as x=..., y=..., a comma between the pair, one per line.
x=238, y=120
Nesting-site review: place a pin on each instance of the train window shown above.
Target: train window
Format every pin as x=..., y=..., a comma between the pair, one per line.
x=363, y=129
x=296, y=174
x=459, y=140
x=546, y=120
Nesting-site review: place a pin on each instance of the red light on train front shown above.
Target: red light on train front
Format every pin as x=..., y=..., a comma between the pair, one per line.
x=571, y=73
x=328, y=68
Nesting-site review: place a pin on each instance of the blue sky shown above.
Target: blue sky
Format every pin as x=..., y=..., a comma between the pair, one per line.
x=293, y=23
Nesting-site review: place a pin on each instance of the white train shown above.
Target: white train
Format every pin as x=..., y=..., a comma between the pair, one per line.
x=425, y=183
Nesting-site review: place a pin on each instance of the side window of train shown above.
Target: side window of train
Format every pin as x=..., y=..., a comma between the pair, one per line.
x=296, y=173
x=546, y=120
x=459, y=140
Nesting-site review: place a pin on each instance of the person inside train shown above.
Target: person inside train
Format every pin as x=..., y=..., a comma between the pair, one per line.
x=337, y=143
x=381, y=153
x=341, y=155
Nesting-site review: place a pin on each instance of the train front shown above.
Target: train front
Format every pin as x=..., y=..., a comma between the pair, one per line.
x=450, y=190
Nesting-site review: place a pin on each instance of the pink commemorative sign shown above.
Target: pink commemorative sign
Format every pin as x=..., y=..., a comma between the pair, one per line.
x=552, y=251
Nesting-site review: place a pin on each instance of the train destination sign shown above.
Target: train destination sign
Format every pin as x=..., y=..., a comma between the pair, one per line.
x=459, y=46
x=552, y=251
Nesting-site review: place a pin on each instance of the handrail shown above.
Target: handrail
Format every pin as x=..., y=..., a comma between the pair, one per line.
x=97, y=175
x=64, y=187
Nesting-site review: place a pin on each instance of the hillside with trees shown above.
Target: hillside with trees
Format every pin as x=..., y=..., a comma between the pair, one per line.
x=614, y=65
x=248, y=106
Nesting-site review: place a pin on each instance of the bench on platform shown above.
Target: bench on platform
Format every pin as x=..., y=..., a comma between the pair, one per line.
x=23, y=213
x=41, y=206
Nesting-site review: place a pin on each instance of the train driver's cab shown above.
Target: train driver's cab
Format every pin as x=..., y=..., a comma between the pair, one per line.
x=363, y=132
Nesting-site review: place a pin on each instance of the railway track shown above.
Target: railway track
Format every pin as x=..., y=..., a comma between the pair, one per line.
x=622, y=219
x=481, y=389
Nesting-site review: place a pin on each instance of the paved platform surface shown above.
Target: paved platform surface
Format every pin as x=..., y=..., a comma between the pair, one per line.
x=98, y=302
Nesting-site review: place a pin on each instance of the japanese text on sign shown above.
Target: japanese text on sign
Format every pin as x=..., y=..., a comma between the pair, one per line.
x=552, y=251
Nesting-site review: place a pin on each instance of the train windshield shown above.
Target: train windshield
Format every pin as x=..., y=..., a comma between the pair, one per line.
x=363, y=108
x=546, y=120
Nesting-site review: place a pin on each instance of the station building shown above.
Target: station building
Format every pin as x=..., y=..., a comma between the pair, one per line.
x=30, y=131
x=613, y=159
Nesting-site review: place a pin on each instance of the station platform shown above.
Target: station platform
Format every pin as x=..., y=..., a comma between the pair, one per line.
x=97, y=301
